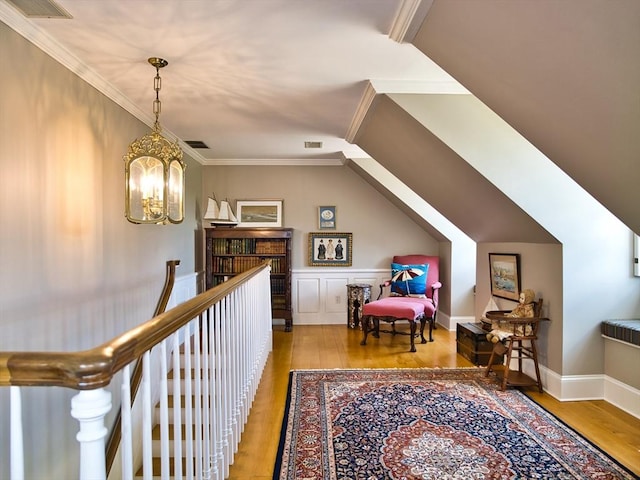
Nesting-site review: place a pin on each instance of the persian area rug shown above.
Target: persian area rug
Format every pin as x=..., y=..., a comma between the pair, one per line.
x=426, y=424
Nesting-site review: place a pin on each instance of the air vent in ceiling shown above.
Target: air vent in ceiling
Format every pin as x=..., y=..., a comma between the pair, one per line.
x=312, y=144
x=40, y=9
x=196, y=144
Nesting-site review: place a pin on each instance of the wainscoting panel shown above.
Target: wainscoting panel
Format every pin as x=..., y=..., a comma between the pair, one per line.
x=307, y=293
x=336, y=295
x=320, y=295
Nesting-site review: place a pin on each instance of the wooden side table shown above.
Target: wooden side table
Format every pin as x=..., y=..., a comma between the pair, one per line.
x=357, y=295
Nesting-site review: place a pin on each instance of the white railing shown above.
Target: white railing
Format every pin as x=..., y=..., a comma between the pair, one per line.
x=202, y=362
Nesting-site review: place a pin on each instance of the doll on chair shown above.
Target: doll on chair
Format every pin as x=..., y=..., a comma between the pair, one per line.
x=501, y=329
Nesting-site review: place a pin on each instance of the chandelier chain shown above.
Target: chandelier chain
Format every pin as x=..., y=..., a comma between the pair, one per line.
x=157, y=105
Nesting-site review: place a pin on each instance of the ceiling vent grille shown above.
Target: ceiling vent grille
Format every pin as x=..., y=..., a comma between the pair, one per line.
x=40, y=9
x=312, y=144
x=196, y=144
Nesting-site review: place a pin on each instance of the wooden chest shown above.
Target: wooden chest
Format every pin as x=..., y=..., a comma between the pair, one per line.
x=472, y=344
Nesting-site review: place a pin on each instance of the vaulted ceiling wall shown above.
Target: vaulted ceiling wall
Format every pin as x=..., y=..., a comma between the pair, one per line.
x=565, y=74
x=446, y=181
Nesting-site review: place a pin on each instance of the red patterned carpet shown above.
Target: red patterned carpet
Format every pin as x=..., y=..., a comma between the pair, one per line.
x=426, y=424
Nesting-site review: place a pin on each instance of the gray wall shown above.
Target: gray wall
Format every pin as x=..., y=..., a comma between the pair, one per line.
x=379, y=229
x=539, y=271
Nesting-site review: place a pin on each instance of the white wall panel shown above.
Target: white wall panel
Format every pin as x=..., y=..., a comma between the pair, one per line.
x=321, y=294
x=307, y=293
x=335, y=295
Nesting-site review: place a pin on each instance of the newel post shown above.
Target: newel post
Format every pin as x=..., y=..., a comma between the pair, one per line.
x=89, y=407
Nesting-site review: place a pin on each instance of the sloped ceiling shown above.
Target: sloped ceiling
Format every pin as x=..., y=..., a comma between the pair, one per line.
x=444, y=179
x=402, y=206
x=565, y=74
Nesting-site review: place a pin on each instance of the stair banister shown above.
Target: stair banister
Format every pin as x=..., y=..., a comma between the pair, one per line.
x=90, y=371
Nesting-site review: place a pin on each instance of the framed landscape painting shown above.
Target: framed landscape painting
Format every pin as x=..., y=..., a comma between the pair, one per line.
x=504, y=269
x=259, y=213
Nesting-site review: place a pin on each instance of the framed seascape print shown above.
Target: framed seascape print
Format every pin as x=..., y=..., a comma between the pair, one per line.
x=327, y=218
x=259, y=213
x=504, y=269
x=330, y=249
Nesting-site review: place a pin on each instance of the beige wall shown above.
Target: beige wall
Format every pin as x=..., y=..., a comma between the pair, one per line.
x=541, y=271
x=379, y=229
x=73, y=272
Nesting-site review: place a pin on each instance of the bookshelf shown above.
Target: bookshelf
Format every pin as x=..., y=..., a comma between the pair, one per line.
x=230, y=251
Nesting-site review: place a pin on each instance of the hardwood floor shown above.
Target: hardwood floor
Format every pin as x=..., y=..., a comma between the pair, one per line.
x=336, y=346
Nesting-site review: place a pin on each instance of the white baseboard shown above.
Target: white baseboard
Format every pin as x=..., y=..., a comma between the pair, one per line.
x=622, y=396
x=569, y=388
x=451, y=323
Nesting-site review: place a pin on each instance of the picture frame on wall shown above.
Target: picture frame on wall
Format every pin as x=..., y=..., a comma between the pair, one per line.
x=259, y=213
x=504, y=271
x=330, y=249
x=327, y=218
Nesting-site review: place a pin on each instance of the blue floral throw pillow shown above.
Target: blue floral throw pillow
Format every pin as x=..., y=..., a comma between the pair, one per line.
x=409, y=280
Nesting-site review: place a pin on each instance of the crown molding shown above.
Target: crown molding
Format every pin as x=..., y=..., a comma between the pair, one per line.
x=408, y=19
x=49, y=45
x=366, y=100
x=375, y=87
x=30, y=31
x=434, y=87
x=271, y=162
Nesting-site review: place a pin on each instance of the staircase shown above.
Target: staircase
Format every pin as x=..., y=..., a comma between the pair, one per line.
x=229, y=333
x=198, y=421
x=188, y=406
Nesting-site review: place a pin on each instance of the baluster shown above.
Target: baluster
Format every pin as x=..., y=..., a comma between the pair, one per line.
x=243, y=354
x=226, y=335
x=147, y=424
x=206, y=409
x=198, y=396
x=219, y=389
x=188, y=392
x=17, y=444
x=177, y=407
x=126, y=443
x=212, y=393
x=237, y=415
x=89, y=407
x=235, y=390
x=164, y=413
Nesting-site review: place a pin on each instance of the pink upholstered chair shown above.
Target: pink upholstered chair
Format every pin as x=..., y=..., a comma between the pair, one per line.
x=402, y=303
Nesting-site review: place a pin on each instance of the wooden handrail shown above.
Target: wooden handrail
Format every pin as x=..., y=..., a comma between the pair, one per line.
x=94, y=368
x=169, y=280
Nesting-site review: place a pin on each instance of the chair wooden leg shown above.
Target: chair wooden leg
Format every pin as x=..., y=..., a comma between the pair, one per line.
x=413, y=335
x=366, y=322
x=534, y=355
x=505, y=376
x=490, y=364
x=422, y=324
